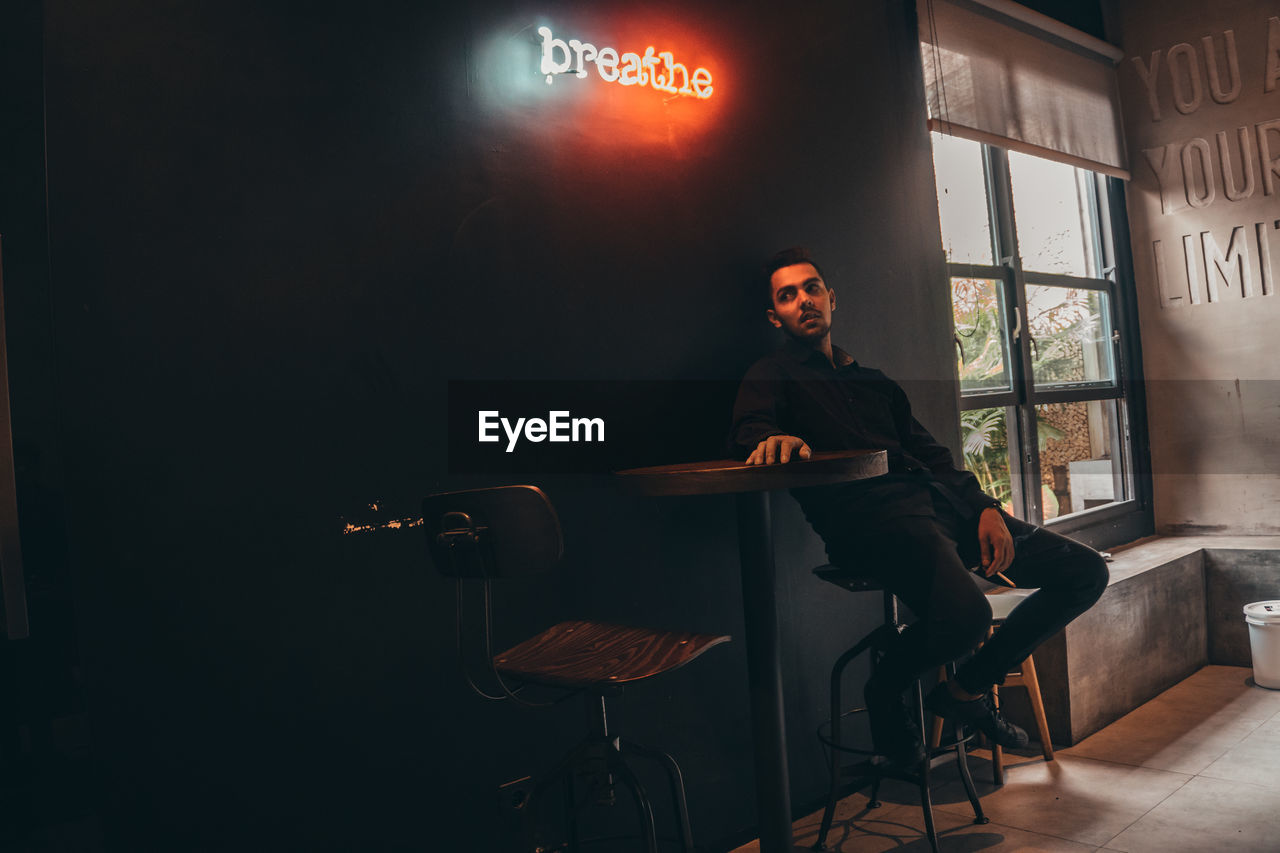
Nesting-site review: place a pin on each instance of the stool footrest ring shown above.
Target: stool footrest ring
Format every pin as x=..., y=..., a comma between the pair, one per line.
x=824, y=736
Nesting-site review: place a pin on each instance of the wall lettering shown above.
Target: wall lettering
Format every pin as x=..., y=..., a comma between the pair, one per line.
x=1269, y=132
x=1248, y=249
x=1264, y=254
x=1186, y=72
x=1196, y=153
x=1149, y=75
x=1273, y=55
x=1185, y=169
x=1220, y=95
x=1233, y=264
x=1193, y=271
x=1225, y=153
x=658, y=70
x=1219, y=183
x=1164, y=162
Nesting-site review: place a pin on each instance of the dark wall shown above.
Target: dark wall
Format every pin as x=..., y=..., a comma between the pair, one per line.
x=28, y=327
x=39, y=733
x=276, y=236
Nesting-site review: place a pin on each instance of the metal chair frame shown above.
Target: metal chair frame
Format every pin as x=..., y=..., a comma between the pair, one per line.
x=468, y=552
x=874, y=768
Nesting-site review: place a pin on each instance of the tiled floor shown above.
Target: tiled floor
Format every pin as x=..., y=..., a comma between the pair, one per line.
x=1195, y=770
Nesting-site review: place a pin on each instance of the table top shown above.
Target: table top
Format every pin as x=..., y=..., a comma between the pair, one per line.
x=724, y=476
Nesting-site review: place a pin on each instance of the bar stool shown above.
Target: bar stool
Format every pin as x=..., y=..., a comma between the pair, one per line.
x=873, y=768
x=1002, y=603
x=511, y=531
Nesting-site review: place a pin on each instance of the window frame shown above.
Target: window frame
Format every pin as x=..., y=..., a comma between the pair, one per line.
x=1118, y=521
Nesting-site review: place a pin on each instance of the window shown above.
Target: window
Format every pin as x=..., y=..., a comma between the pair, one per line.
x=1041, y=332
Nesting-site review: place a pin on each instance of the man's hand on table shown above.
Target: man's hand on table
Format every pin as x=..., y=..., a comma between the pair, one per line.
x=994, y=541
x=779, y=448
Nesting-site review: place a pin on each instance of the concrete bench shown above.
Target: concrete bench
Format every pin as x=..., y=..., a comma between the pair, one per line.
x=1173, y=605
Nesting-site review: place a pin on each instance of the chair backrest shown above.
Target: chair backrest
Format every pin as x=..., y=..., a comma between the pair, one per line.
x=500, y=532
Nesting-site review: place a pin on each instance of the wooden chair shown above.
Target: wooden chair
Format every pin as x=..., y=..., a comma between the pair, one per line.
x=1002, y=604
x=872, y=769
x=484, y=535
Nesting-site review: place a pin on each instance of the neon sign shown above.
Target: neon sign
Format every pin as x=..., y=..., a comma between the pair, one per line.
x=659, y=70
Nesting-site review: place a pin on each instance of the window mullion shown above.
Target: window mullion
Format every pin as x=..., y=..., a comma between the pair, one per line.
x=1067, y=394
x=1105, y=247
x=1005, y=237
x=1120, y=471
x=987, y=400
x=1123, y=448
x=1118, y=258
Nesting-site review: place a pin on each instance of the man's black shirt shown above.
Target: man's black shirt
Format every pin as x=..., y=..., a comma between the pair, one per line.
x=796, y=391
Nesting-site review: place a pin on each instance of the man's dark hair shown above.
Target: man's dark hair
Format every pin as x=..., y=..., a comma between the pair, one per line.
x=786, y=258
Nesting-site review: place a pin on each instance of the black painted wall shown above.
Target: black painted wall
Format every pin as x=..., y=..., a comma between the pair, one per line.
x=278, y=232
x=41, y=745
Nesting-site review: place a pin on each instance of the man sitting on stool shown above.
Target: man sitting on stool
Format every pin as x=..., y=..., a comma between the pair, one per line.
x=916, y=529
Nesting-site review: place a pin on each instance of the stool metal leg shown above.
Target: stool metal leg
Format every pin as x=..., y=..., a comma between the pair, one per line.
x=676, y=781
x=837, y=674
x=966, y=777
x=926, y=803
x=628, y=778
x=600, y=759
x=926, y=799
x=533, y=803
x=874, y=642
x=962, y=752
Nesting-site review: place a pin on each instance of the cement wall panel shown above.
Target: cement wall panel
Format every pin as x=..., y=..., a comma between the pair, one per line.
x=1144, y=635
x=1232, y=580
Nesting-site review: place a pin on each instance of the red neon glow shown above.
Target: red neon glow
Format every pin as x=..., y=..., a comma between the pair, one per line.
x=659, y=70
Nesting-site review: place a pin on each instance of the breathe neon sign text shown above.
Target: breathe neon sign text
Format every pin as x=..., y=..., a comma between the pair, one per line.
x=659, y=70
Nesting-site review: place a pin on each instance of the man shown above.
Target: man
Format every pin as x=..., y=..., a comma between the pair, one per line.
x=917, y=528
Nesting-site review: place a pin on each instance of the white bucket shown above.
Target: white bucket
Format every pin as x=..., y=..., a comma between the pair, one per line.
x=1264, y=641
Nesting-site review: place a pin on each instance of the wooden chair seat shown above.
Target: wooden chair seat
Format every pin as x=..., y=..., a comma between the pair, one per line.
x=581, y=654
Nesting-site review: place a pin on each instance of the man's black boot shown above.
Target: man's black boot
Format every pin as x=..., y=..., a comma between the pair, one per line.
x=895, y=733
x=981, y=713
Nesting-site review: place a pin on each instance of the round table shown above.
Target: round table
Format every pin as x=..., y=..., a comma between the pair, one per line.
x=751, y=484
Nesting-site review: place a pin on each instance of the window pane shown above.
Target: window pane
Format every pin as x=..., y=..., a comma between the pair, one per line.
x=1080, y=446
x=986, y=452
x=977, y=307
x=962, y=200
x=1070, y=335
x=1055, y=219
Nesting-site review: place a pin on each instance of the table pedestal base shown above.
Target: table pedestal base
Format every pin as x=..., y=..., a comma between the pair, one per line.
x=773, y=795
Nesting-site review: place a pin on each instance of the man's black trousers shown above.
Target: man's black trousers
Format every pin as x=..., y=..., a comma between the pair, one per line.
x=927, y=563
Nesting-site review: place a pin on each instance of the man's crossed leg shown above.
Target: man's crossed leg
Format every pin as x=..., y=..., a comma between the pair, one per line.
x=925, y=562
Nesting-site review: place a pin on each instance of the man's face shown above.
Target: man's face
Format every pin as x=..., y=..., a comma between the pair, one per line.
x=802, y=304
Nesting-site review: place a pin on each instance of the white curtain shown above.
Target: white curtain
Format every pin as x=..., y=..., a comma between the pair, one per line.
x=998, y=73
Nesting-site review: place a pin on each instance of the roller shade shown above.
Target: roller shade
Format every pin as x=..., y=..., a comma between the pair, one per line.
x=998, y=73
